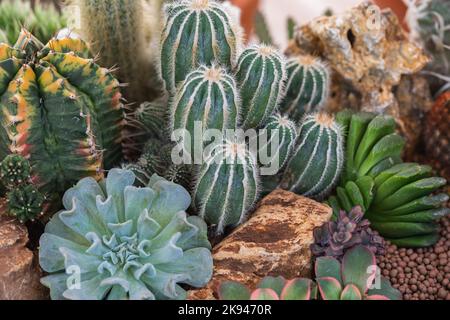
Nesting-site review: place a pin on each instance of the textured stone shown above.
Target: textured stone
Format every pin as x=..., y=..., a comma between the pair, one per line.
x=275, y=241
x=366, y=47
x=19, y=271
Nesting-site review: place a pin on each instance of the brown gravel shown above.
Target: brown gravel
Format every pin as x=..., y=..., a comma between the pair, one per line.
x=420, y=274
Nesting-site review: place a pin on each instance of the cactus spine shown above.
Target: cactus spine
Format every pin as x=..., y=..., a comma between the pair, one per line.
x=197, y=32
x=227, y=185
x=209, y=96
x=117, y=32
x=317, y=163
x=307, y=86
x=261, y=74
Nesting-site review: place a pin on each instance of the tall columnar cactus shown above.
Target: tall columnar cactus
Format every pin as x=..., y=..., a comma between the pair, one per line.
x=261, y=74
x=196, y=32
x=307, y=87
x=429, y=21
x=317, y=162
x=117, y=32
x=208, y=96
x=227, y=185
x=59, y=110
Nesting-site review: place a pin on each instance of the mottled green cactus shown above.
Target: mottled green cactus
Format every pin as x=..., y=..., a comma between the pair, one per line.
x=43, y=20
x=196, y=32
x=59, y=110
x=318, y=159
x=117, y=32
x=429, y=22
x=227, y=185
x=307, y=86
x=260, y=74
x=207, y=96
x=125, y=242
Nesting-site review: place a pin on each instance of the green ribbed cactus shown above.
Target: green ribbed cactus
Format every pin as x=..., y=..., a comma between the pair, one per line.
x=318, y=159
x=196, y=32
x=227, y=185
x=261, y=73
x=372, y=144
x=208, y=96
x=307, y=87
x=59, y=110
x=117, y=31
x=280, y=135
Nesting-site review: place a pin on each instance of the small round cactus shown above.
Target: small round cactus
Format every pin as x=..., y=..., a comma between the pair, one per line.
x=307, y=87
x=15, y=170
x=261, y=73
x=317, y=162
x=209, y=96
x=25, y=203
x=227, y=185
x=196, y=32
x=284, y=130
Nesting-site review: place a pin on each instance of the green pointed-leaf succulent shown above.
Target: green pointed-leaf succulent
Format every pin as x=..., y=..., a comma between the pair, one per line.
x=116, y=241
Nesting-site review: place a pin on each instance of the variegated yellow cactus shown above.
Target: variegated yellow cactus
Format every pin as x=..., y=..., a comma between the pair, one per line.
x=59, y=110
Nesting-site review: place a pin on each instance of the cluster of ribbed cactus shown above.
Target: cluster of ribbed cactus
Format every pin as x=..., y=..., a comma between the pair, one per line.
x=429, y=21
x=59, y=110
x=398, y=198
x=43, y=20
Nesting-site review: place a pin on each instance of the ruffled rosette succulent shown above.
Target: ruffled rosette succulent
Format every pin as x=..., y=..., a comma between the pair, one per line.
x=350, y=229
x=116, y=241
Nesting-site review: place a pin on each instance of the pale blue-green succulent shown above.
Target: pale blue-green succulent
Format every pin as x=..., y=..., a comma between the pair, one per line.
x=115, y=241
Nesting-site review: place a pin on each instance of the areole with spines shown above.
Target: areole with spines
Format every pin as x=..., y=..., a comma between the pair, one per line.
x=231, y=170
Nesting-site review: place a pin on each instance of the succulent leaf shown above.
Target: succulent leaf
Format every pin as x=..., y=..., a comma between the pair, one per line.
x=329, y=288
x=264, y=294
x=298, y=289
x=277, y=284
